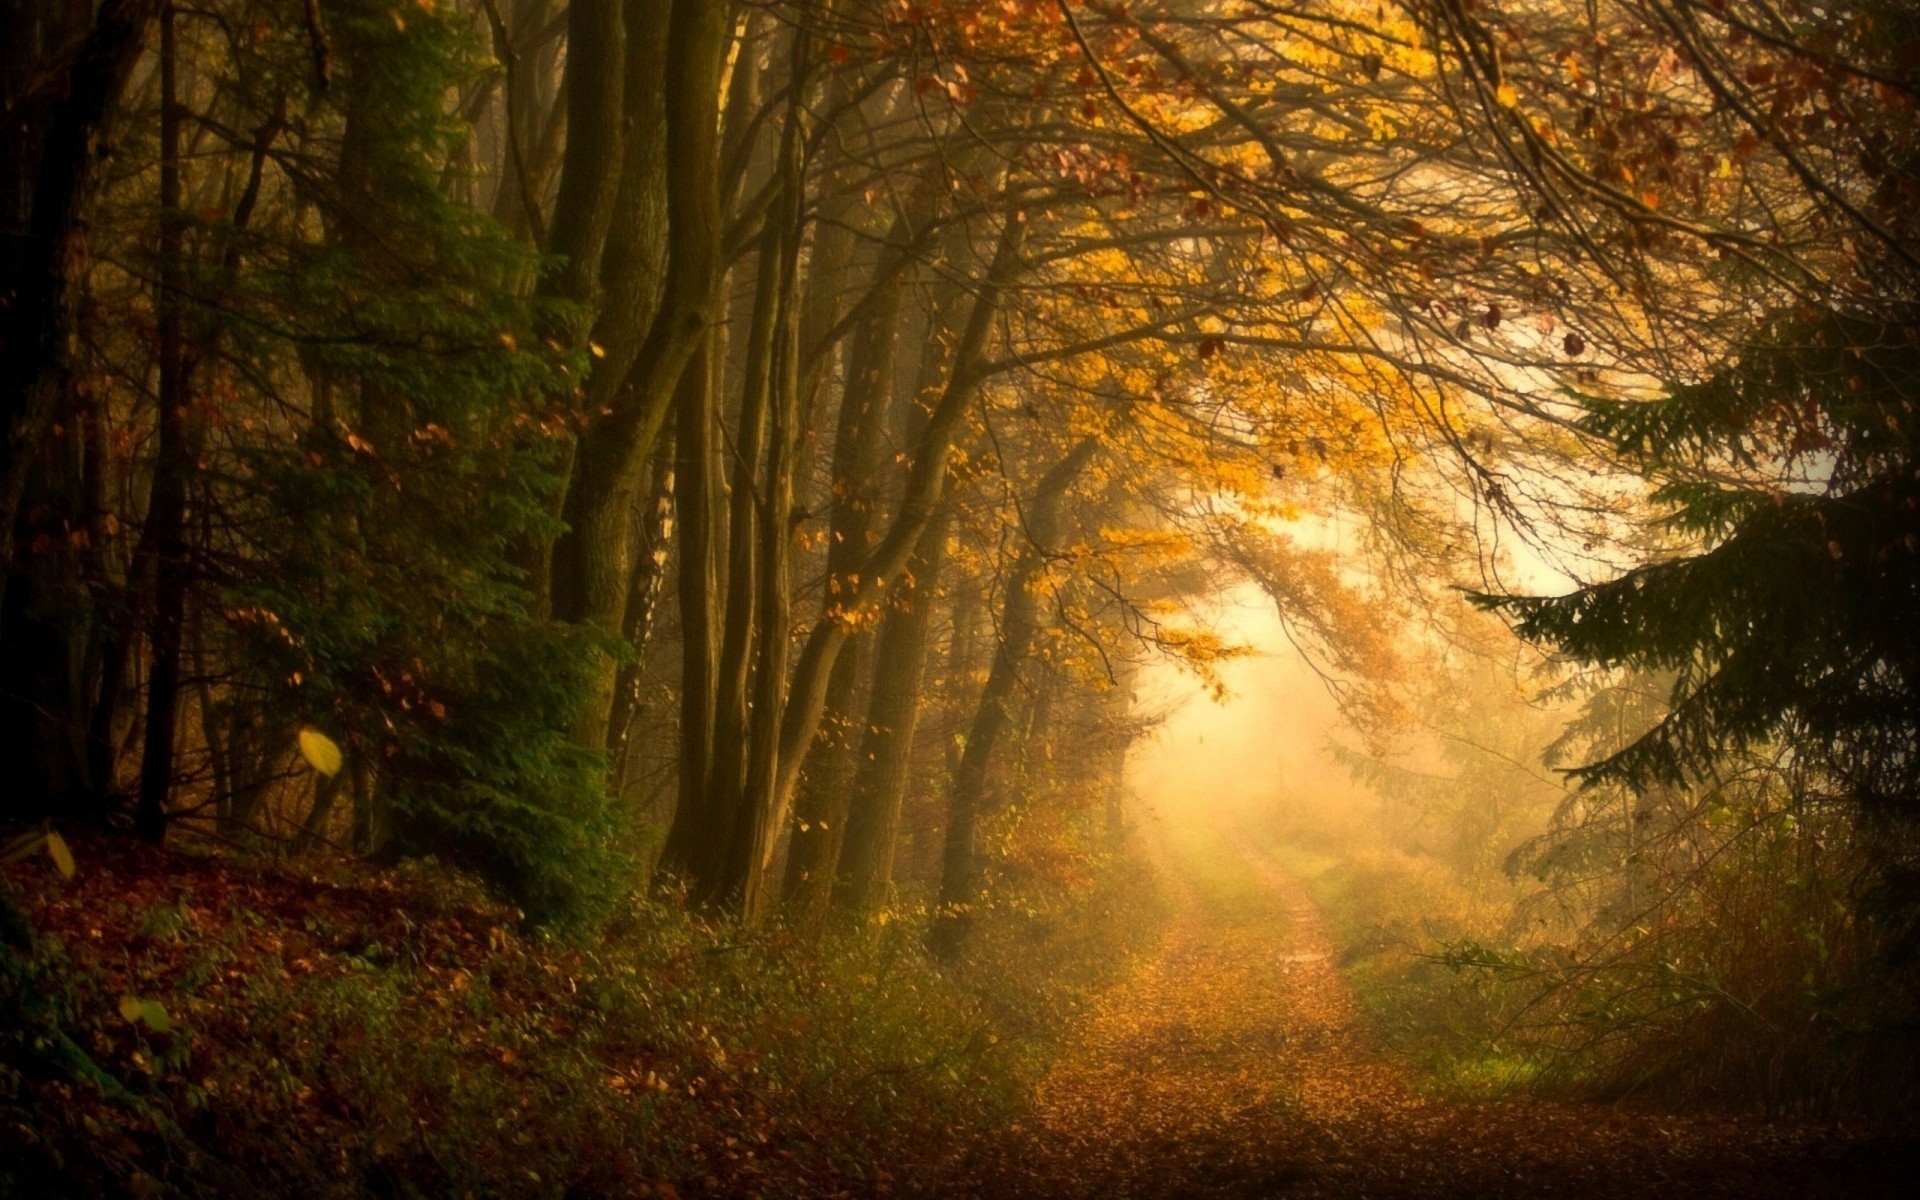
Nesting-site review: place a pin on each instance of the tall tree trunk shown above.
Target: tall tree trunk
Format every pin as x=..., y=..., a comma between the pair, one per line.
x=696, y=822
x=590, y=174
x=590, y=185
x=167, y=510
x=591, y=567
x=746, y=512
x=758, y=825
x=652, y=550
x=42, y=292
x=926, y=485
x=885, y=760
x=592, y=574
x=821, y=809
x=763, y=546
x=1019, y=622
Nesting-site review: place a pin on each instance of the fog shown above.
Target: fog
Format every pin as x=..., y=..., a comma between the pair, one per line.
x=1221, y=764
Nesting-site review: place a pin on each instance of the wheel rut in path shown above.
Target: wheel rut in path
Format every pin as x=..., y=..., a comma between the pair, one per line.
x=1232, y=1063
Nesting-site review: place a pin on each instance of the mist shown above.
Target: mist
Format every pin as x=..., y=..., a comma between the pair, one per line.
x=1228, y=759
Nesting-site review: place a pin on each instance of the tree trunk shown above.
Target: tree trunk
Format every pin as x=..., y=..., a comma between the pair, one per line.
x=886, y=750
x=643, y=605
x=590, y=174
x=926, y=484
x=821, y=810
x=591, y=574
x=696, y=822
x=764, y=545
x=590, y=560
x=167, y=509
x=733, y=698
x=41, y=294
x=1019, y=622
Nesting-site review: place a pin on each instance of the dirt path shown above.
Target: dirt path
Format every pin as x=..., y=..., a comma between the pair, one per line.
x=1232, y=1065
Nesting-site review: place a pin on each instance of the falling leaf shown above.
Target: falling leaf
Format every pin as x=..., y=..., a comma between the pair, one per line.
x=320, y=751
x=1507, y=97
x=61, y=856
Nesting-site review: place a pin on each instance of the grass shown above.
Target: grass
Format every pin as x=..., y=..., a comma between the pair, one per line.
x=1389, y=914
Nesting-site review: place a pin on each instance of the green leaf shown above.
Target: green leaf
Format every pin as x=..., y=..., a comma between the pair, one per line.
x=320, y=751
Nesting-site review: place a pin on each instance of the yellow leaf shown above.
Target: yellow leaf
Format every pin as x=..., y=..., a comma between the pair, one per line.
x=146, y=1012
x=58, y=852
x=320, y=751
x=1507, y=97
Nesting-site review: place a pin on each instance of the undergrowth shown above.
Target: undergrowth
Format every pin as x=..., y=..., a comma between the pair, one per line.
x=1723, y=962
x=281, y=1033
x=1389, y=915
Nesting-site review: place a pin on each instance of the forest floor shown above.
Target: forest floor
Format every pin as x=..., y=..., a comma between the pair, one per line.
x=375, y=1037
x=1233, y=1064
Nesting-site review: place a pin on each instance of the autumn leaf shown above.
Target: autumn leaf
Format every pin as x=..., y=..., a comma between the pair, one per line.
x=62, y=857
x=150, y=1013
x=34, y=840
x=320, y=751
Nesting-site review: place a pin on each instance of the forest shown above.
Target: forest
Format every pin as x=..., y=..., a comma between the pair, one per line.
x=975, y=598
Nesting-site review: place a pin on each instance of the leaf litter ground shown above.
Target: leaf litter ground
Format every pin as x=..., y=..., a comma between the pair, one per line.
x=1233, y=1064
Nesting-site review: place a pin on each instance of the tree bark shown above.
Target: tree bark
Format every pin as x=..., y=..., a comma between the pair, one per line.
x=590, y=563
x=764, y=546
x=652, y=550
